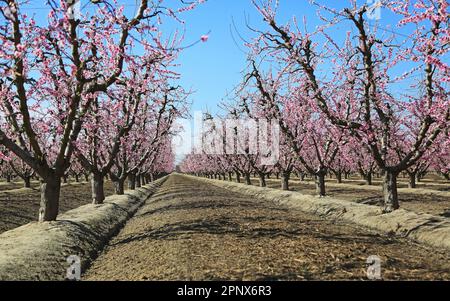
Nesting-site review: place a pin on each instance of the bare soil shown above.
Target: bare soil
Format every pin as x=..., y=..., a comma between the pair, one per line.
x=192, y=231
x=19, y=206
x=429, y=197
x=17, y=184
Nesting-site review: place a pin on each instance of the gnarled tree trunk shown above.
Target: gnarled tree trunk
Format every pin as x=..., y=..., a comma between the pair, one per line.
x=412, y=179
x=368, y=178
x=138, y=181
x=262, y=180
x=119, y=186
x=98, y=193
x=338, y=175
x=302, y=176
x=320, y=183
x=390, y=192
x=27, y=182
x=132, y=181
x=238, y=177
x=285, y=177
x=49, y=207
x=248, y=180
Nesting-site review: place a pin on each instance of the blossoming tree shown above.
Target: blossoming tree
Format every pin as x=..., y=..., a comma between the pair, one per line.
x=52, y=74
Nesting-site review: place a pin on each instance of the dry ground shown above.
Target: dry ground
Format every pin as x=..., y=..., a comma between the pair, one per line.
x=19, y=206
x=192, y=231
x=431, y=196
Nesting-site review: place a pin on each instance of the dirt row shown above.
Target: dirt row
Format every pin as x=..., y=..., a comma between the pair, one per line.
x=192, y=231
x=417, y=200
x=21, y=206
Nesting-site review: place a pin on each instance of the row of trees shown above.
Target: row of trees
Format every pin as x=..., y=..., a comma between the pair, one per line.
x=160, y=163
x=241, y=168
x=340, y=102
x=88, y=92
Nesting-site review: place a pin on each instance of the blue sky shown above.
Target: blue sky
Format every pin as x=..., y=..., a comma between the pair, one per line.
x=213, y=68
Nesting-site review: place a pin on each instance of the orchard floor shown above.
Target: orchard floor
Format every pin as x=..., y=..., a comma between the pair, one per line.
x=193, y=231
x=19, y=206
x=431, y=196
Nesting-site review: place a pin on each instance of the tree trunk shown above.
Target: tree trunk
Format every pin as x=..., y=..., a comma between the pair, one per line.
x=98, y=193
x=238, y=177
x=27, y=182
x=65, y=179
x=119, y=186
x=320, y=183
x=132, y=181
x=368, y=178
x=277, y=175
x=419, y=177
x=8, y=178
x=86, y=177
x=77, y=178
x=138, y=181
x=390, y=192
x=338, y=177
x=285, y=180
x=262, y=180
x=302, y=176
x=230, y=177
x=247, y=179
x=412, y=180
x=49, y=207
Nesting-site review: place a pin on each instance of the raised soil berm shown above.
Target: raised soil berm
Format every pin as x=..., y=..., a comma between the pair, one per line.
x=423, y=228
x=39, y=251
